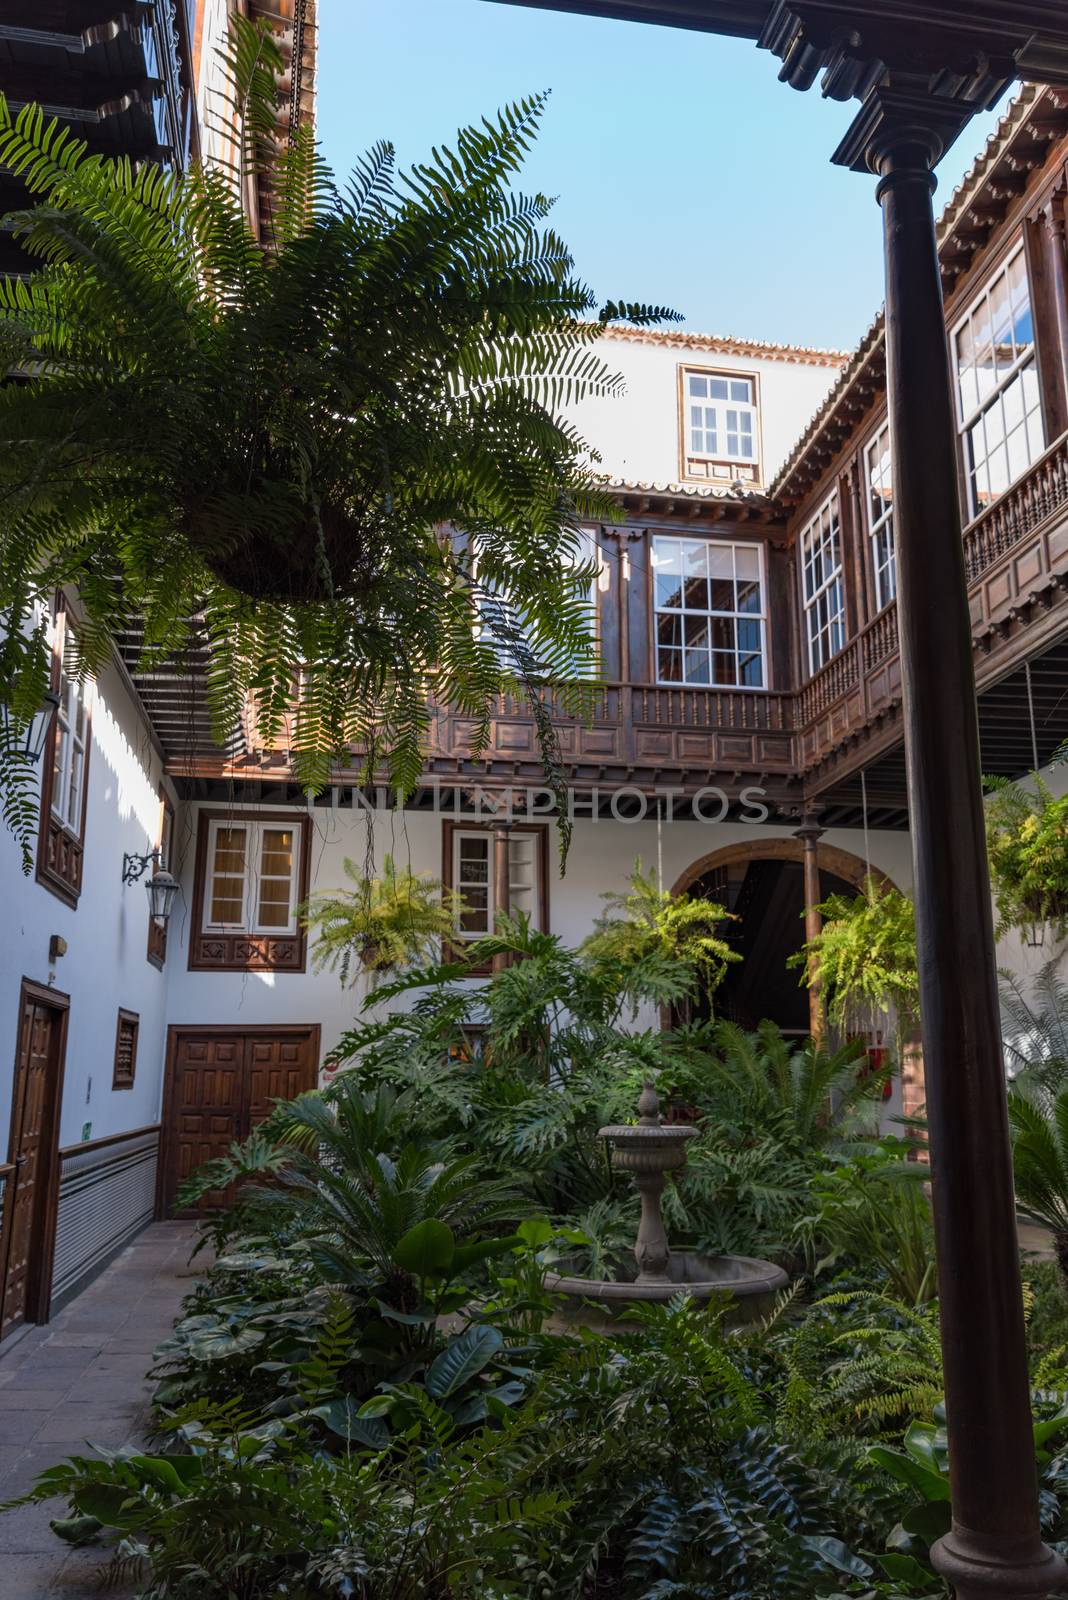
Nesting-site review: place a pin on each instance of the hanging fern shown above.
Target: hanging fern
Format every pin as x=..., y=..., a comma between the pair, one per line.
x=864, y=957
x=273, y=436
x=381, y=924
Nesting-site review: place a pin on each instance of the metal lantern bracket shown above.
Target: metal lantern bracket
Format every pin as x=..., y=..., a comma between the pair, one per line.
x=135, y=866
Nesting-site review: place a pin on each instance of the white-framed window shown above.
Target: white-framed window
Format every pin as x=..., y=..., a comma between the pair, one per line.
x=721, y=420
x=586, y=553
x=824, y=589
x=473, y=878
x=252, y=876
x=999, y=411
x=68, y=761
x=709, y=612
x=880, y=496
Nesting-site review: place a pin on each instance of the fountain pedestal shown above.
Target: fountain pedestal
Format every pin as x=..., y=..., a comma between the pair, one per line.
x=649, y=1150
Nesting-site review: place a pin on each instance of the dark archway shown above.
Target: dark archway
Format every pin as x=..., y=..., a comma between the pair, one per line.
x=762, y=885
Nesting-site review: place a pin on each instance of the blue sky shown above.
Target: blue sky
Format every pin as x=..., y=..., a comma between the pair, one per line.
x=686, y=174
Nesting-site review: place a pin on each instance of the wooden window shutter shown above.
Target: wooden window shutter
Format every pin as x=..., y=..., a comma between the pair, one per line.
x=125, y=1050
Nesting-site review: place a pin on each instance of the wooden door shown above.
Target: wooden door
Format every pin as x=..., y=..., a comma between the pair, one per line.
x=221, y=1083
x=31, y=1190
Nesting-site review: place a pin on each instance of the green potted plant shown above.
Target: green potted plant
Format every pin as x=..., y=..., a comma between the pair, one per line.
x=1027, y=843
x=864, y=960
x=380, y=925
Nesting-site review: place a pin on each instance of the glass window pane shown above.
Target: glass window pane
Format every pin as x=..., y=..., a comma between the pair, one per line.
x=698, y=387
x=696, y=630
x=717, y=389
x=747, y=561
x=670, y=666
x=741, y=390
x=696, y=666
x=723, y=667
x=668, y=630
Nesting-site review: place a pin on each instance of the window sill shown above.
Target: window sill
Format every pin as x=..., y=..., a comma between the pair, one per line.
x=247, y=952
x=59, y=862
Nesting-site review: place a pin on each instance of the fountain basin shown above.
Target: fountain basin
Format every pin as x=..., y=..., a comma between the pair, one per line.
x=752, y=1285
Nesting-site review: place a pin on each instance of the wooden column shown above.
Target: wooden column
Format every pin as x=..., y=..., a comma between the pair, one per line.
x=1053, y=230
x=994, y=1548
x=810, y=835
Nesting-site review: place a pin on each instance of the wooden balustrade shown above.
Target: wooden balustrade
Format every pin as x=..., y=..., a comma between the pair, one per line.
x=630, y=726
x=1042, y=490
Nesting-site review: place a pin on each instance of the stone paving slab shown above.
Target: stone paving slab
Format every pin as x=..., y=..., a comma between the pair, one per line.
x=82, y=1378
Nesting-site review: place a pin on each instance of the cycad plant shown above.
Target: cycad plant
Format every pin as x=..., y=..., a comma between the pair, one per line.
x=381, y=924
x=264, y=441
x=369, y=1211
x=1038, y=1119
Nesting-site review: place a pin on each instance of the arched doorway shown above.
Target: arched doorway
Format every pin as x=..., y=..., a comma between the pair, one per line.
x=762, y=884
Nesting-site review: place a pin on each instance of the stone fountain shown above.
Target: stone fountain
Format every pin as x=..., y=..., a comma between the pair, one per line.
x=649, y=1149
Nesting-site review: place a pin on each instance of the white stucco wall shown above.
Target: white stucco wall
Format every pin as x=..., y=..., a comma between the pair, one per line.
x=601, y=859
x=106, y=964
x=637, y=434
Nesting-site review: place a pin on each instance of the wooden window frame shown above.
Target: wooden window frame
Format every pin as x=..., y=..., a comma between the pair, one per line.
x=751, y=472
x=238, y=950
x=156, y=950
x=1015, y=248
x=875, y=526
x=763, y=616
x=132, y=1021
x=61, y=850
x=814, y=521
x=455, y=948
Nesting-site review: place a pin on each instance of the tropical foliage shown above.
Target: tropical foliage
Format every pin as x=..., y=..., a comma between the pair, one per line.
x=380, y=924
x=648, y=921
x=257, y=441
x=1027, y=843
x=864, y=957
x=365, y=1395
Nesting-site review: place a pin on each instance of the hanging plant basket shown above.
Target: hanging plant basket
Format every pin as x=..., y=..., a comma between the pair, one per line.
x=272, y=543
x=1027, y=842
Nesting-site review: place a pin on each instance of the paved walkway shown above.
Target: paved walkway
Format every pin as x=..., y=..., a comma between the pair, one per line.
x=79, y=1378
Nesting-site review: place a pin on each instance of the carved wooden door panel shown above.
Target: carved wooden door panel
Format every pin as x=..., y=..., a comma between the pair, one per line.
x=29, y=1198
x=221, y=1084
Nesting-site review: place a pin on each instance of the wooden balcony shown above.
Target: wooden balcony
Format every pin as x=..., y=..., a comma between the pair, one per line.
x=1016, y=555
x=807, y=741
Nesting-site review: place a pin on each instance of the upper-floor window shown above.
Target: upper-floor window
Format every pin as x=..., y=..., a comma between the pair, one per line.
x=710, y=614
x=824, y=589
x=503, y=626
x=64, y=791
x=999, y=412
x=68, y=757
x=880, y=487
x=251, y=876
x=721, y=426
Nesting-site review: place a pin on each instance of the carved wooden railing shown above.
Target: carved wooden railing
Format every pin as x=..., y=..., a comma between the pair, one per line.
x=1042, y=490
x=747, y=710
x=811, y=717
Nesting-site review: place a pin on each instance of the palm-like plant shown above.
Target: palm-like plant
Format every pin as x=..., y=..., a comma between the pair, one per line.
x=1038, y=1119
x=263, y=441
x=798, y=1093
x=381, y=924
x=356, y=1202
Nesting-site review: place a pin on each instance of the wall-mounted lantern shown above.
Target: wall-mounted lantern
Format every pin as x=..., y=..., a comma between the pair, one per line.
x=29, y=739
x=161, y=886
